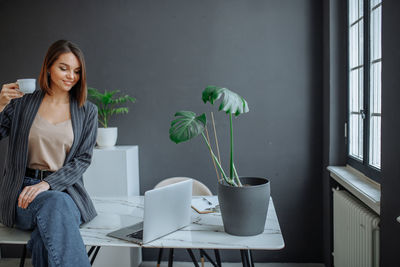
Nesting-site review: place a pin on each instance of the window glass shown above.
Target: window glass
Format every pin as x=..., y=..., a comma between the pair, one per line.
x=356, y=79
x=364, y=83
x=375, y=84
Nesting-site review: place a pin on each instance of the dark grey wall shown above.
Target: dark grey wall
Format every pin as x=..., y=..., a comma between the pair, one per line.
x=390, y=202
x=165, y=53
x=334, y=106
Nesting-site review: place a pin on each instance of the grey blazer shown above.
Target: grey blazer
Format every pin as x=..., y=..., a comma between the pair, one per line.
x=16, y=121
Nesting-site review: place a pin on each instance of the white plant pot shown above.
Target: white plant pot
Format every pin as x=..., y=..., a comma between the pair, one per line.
x=107, y=137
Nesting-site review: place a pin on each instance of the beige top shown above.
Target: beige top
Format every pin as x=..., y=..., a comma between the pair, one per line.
x=49, y=143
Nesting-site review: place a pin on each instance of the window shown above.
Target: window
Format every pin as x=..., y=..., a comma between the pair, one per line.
x=364, y=84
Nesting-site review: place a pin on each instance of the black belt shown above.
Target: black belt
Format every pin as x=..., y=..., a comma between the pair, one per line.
x=37, y=174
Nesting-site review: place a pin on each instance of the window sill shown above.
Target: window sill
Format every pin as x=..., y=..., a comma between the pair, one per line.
x=364, y=188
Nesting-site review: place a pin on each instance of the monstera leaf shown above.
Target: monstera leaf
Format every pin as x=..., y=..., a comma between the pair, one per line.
x=231, y=102
x=186, y=126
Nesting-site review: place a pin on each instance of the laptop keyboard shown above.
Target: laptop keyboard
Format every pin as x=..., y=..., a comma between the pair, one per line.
x=137, y=235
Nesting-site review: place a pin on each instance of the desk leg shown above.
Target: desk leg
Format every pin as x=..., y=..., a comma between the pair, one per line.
x=217, y=257
x=247, y=258
x=251, y=257
x=243, y=256
x=22, y=261
x=96, y=250
x=159, y=257
x=90, y=251
x=193, y=257
x=171, y=257
x=95, y=254
x=204, y=254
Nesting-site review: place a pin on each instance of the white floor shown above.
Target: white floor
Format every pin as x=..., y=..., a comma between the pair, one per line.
x=15, y=263
x=231, y=264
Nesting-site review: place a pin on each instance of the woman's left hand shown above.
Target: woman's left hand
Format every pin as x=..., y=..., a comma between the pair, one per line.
x=29, y=193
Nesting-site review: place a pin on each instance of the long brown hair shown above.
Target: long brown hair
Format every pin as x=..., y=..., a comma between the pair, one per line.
x=79, y=91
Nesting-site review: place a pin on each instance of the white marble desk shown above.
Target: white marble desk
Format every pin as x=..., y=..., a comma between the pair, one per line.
x=205, y=231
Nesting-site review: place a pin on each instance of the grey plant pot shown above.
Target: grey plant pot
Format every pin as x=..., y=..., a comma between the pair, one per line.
x=244, y=209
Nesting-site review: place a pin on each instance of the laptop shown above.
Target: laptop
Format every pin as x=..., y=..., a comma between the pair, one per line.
x=166, y=209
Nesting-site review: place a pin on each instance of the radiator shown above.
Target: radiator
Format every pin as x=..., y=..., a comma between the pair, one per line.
x=355, y=232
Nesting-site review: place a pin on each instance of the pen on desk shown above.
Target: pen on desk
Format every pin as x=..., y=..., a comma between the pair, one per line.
x=208, y=201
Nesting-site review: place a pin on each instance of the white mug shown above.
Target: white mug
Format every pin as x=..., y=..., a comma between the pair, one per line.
x=27, y=86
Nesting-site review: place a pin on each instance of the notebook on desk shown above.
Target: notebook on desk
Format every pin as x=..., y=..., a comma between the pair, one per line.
x=205, y=204
x=166, y=209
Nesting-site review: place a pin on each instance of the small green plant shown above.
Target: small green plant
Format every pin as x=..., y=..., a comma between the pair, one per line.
x=106, y=104
x=187, y=125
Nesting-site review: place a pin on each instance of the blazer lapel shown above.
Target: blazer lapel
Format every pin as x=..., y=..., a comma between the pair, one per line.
x=31, y=109
x=77, y=117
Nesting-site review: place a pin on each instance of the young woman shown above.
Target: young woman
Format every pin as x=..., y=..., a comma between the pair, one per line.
x=51, y=133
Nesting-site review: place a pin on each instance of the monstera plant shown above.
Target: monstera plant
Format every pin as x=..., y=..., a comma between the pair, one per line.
x=240, y=198
x=188, y=125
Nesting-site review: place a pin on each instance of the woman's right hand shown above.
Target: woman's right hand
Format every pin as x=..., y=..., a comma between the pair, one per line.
x=9, y=92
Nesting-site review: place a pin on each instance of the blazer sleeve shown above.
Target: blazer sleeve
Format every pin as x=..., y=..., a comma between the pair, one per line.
x=71, y=172
x=6, y=119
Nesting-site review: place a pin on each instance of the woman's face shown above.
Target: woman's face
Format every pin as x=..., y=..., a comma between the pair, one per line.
x=65, y=72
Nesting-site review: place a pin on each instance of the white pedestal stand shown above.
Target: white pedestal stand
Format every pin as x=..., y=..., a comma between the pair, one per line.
x=114, y=172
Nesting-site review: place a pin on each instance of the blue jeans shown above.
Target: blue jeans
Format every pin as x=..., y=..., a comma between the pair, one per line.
x=54, y=219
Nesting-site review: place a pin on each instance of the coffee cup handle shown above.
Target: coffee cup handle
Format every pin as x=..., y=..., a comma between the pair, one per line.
x=18, y=88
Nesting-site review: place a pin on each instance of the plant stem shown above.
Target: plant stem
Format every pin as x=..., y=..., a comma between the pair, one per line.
x=231, y=137
x=229, y=181
x=102, y=123
x=105, y=117
x=215, y=136
x=215, y=166
x=236, y=176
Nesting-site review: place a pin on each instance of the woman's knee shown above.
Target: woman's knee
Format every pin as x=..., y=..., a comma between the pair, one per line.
x=58, y=201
